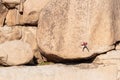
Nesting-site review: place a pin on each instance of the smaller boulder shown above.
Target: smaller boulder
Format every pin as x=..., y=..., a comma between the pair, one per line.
x=30, y=13
x=24, y=13
x=3, y=13
x=110, y=58
x=29, y=36
x=11, y=3
x=11, y=18
x=14, y=18
x=15, y=53
x=10, y=33
x=117, y=47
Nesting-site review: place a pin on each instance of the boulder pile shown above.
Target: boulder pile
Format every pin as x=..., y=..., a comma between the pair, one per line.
x=60, y=30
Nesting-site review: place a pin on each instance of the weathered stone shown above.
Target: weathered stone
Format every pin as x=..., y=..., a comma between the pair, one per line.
x=14, y=18
x=110, y=58
x=117, y=47
x=11, y=3
x=11, y=18
x=58, y=72
x=29, y=15
x=15, y=53
x=118, y=77
x=9, y=33
x=3, y=13
x=29, y=36
x=66, y=24
x=32, y=10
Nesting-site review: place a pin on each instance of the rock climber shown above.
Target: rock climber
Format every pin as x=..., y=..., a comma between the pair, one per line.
x=84, y=44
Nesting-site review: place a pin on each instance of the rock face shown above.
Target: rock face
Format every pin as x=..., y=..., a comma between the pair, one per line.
x=9, y=33
x=25, y=13
x=11, y=3
x=117, y=46
x=66, y=24
x=32, y=10
x=15, y=53
x=12, y=18
x=3, y=13
x=29, y=36
x=110, y=58
x=58, y=72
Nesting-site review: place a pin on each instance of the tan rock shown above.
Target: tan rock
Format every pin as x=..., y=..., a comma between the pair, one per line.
x=3, y=13
x=117, y=47
x=29, y=36
x=118, y=77
x=65, y=24
x=11, y=3
x=58, y=72
x=9, y=33
x=110, y=58
x=14, y=18
x=32, y=10
x=15, y=53
x=29, y=14
x=11, y=18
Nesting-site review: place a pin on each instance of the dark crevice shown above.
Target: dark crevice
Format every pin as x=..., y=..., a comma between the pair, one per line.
x=27, y=24
x=116, y=43
x=21, y=13
x=7, y=5
x=33, y=62
x=4, y=22
x=57, y=59
x=74, y=61
x=34, y=25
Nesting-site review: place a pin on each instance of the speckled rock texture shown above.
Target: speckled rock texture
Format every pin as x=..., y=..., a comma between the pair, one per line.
x=15, y=53
x=58, y=72
x=66, y=24
x=3, y=13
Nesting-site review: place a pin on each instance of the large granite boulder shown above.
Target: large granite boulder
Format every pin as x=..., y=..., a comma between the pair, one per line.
x=75, y=29
x=15, y=53
x=3, y=13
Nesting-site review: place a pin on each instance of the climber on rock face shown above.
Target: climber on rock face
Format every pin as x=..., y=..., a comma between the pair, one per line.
x=84, y=44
